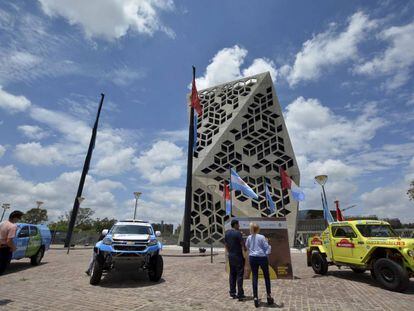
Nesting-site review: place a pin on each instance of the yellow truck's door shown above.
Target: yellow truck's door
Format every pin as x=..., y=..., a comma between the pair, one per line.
x=343, y=243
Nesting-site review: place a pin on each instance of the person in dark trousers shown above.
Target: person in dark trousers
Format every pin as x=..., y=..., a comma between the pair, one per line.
x=259, y=248
x=8, y=230
x=101, y=237
x=234, y=244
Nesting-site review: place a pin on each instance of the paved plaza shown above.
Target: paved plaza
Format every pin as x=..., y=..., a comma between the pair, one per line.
x=188, y=283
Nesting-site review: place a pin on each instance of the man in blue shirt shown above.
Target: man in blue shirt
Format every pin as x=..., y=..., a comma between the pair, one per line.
x=234, y=244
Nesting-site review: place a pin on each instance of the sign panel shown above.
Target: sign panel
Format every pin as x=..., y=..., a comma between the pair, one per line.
x=275, y=230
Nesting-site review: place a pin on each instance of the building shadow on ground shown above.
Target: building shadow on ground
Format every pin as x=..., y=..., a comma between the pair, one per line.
x=123, y=279
x=19, y=266
x=365, y=278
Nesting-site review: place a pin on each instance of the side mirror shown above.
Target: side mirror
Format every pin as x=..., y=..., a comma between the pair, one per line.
x=105, y=231
x=157, y=234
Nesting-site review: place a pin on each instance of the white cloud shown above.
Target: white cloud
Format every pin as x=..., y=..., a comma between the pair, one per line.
x=2, y=150
x=58, y=194
x=12, y=103
x=391, y=201
x=316, y=131
x=116, y=163
x=124, y=76
x=162, y=163
x=33, y=131
x=398, y=58
x=111, y=19
x=226, y=66
x=35, y=154
x=327, y=49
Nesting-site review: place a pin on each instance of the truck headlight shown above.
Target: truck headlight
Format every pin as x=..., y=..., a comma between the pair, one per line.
x=152, y=242
x=410, y=253
x=107, y=241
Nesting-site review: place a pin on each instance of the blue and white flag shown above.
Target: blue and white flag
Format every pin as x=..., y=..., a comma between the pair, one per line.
x=326, y=212
x=270, y=202
x=238, y=184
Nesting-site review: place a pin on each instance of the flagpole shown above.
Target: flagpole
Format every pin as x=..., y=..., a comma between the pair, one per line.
x=85, y=170
x=265, y=185
x=189, y=188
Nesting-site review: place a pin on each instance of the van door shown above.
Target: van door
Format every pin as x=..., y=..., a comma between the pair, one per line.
x=34, y=242
x=21, y=241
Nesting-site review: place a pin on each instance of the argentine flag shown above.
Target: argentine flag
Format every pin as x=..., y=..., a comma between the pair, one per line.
x=270, y=202
x=238, y=184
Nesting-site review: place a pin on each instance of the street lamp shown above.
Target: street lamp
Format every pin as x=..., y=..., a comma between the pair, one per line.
x=212, y=188
x=321, y=180
x=4, y=206
x=39, y=203
x=137, y=195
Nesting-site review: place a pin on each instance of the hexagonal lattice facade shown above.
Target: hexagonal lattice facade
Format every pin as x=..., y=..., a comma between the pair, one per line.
x=241, y=126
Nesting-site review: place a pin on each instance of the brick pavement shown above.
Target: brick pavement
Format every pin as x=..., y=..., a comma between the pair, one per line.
x=190, y=283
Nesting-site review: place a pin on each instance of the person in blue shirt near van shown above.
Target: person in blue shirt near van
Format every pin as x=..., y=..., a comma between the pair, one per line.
x=259, y=249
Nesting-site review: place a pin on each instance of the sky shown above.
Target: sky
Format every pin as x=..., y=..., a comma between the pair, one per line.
x=343, y=72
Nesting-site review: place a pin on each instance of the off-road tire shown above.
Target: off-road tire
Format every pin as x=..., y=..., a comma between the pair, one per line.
x=319, y=263
x=391, y=275
x=156, y=268
x=37, y=258
x=96, y=273
x=358, y=270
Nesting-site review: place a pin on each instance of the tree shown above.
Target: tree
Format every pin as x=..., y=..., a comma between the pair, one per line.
x=35, y=216
x=410, y=191
x=105, y=223
x=84, y=219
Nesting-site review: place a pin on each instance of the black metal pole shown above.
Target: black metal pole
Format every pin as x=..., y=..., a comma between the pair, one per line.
x=85, y=170
x=231, y=196
x=189, y=188
x=2, y=215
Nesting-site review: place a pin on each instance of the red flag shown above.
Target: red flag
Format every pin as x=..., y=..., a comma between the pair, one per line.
x=286, y=181
x=339, y=216
x=195, y=101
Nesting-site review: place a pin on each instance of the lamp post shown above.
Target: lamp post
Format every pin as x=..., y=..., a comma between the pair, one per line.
x=321, y=180
x=212, y=188
x=39, y=203
x=137, y=195
x=4, y=206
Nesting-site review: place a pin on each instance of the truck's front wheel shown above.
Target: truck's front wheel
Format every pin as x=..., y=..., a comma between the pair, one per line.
x=96, y=273
x=319, y=263
x=156, y=268
x=391, y=275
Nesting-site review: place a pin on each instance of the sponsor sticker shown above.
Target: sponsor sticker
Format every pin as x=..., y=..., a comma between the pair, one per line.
x=316, y=241
x=345, y=243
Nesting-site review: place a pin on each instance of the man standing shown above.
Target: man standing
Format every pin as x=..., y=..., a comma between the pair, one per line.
x=8, y=230
x=233, y=242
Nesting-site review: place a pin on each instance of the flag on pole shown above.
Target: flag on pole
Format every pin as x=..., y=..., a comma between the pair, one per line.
x=339, y=216
x=326, y=212
x=227, y=198
x=270, y=202
x=288, y=183
x=238, y=184
x=195, y=101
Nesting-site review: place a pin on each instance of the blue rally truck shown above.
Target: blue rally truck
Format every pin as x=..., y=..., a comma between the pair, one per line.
x=129, y=244
x=32, y=241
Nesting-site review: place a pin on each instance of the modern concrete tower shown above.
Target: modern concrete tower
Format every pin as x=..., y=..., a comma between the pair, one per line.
x=242, y=126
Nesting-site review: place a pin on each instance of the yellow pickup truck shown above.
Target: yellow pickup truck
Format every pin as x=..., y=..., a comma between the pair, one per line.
x=364, y=245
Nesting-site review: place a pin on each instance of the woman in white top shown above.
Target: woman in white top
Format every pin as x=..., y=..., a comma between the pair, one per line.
x=259, y=248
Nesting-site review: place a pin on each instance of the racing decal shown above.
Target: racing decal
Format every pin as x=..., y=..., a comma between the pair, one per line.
x=316, y=241
x=345, y=243
x=397, y=243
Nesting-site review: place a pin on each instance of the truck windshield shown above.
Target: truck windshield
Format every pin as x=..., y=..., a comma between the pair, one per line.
x=377, y=231
x=130, y=229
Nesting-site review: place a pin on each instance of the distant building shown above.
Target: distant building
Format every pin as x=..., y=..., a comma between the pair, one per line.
x=165, y=229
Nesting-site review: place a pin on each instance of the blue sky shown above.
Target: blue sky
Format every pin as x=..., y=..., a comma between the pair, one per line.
x=343, y=72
